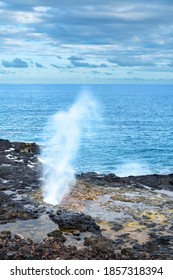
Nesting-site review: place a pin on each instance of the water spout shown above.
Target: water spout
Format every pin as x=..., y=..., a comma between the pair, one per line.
x=63, y=134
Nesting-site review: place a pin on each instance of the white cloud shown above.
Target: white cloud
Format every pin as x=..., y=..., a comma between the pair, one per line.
x=13, y=42
x=131, y=34
x=41, y=9
x=27, y=17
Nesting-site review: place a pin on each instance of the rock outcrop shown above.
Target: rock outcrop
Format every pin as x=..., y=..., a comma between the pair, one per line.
x=102, y=218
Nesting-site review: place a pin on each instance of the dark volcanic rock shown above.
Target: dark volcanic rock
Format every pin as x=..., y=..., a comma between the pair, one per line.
x=101, y=245
x=154, y=181
x=30, y=148
x=19, y=177
x=57, y=235
x=165, y=240
x=126, y=251
x=68, y=220
x=171, y=228
x=109, y=180
x=117, y=227
x=5, y=145
x=5, y=234
x=20, y=182
x=19, y=163
x=17, y=249
x=99, y=242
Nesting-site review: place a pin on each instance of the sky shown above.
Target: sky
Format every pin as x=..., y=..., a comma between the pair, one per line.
x=86, y=41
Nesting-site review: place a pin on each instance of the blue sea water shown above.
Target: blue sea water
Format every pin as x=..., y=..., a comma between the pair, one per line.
x=133, y=136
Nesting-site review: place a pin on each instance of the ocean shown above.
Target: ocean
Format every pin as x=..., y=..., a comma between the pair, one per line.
x=131, y=135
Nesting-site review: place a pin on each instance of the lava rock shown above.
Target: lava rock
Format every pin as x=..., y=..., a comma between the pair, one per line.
x=151, y=225
x=101, y=245
x=68, y=220
x=117, y=227
x=5, y=234
x=126, y=251
x=30, y=148
x=164, y=239
x=155, y=181
x=57, y=235
x=171, y=228
x=5, y=145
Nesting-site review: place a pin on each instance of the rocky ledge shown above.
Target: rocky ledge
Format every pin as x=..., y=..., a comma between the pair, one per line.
x=104, y=216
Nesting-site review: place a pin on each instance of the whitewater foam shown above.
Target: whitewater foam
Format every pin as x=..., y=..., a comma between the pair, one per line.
x=132, y=168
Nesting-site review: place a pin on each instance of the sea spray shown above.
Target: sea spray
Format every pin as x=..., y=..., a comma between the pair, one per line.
x=63, y=134
x=134, y=168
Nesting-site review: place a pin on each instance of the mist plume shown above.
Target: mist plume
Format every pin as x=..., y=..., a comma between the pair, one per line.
x=63, y=134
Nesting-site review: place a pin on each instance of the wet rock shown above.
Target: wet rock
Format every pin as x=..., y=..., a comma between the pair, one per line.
x=164, y=239
x=10, y=215
x=68, y=220
x=5, y=234
x=151, y=225
x=57, y=235
x=100, y=179
x=5, y=145
x=78, y=238
x=20, y=182
x=96, y=247
x=101, y=245
x=117, y=227
x=98, y=241
x=18, y=237
x=126, y=251
x=10, y=254
x=122, y=239
x=77, y=233
x=155, y=181
x=171, y=228
x=29, y=241
x=31, y=148
x=138, y=247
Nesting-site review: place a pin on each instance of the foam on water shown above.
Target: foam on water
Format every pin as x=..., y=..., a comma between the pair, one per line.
x=132, y=168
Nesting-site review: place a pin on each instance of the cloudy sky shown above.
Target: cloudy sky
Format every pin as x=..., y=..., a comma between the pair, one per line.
x=86, y=41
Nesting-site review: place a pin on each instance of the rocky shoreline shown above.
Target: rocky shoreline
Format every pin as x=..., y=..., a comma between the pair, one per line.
x=104, y=217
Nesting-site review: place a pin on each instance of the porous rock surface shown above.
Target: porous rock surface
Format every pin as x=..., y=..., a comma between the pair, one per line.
x=20, y=200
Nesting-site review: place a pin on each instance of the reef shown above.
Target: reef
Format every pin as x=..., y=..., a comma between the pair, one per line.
x=104, y=216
